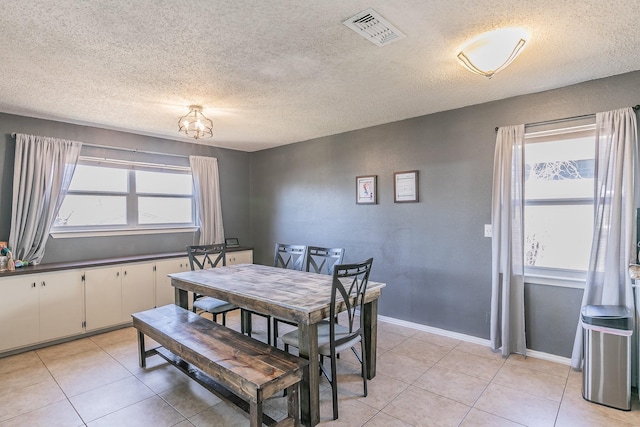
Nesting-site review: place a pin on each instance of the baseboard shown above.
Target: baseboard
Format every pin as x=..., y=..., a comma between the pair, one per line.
x=57, y=341
x=549, y=357
x=469, y=338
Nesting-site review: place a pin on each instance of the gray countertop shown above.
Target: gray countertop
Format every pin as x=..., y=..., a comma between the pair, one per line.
x=43, y=268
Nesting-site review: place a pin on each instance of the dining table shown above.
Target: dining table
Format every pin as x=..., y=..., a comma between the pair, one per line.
x=297, y=296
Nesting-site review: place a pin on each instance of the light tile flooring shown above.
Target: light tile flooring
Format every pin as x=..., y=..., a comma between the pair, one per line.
x=422, y=380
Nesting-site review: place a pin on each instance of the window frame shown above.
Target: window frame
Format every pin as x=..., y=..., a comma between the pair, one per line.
x=132, y=225
x=549, y=275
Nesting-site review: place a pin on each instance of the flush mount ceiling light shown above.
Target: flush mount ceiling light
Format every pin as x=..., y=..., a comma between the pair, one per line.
x=195, y=124
x=491, y=52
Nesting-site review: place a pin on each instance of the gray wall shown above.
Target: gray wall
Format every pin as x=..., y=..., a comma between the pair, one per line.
x=234, y=188
x=431, y=254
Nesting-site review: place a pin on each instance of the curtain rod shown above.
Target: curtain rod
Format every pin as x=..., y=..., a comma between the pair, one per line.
x=131, y=150
x=566, y=119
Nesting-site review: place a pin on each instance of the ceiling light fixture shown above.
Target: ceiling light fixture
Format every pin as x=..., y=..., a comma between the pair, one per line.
x=195, y=124
x=491, y=52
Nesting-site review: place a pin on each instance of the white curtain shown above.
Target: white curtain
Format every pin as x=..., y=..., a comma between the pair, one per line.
x=507, y=209
x=42, y=173
x=207, y=191
x=614, y=234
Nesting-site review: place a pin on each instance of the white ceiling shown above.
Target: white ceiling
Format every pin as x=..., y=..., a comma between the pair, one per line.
x=270, y=73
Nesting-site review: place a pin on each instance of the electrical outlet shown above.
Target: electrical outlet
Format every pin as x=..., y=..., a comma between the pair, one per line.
x=488, y=230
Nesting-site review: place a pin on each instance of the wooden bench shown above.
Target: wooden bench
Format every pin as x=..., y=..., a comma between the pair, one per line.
x=238, y=369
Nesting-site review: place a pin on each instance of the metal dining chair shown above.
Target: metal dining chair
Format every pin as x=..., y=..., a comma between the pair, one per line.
x=322, y=260
x=348, y=289
x=317, y=260
x=209, y=256
x=290, y=256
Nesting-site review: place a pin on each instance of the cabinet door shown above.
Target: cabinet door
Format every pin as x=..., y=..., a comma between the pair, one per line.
x=137, y=288
x=240, y=257
x=103, y=297
x=61, y=304
x=165, y=293
x=19, y=312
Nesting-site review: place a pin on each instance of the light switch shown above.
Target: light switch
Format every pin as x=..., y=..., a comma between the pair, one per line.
x=488, y=230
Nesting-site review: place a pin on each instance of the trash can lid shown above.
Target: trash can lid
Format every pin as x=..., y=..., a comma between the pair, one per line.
x=609, y=316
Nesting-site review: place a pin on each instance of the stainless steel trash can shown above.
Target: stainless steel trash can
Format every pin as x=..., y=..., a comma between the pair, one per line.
x=606, y=375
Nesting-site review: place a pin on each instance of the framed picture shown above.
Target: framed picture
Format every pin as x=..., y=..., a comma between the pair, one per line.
x=366, y=190
x=231, y=242
x=405, y=187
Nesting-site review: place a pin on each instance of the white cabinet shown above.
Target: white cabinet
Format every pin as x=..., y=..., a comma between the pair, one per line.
x=240, y=257
x=112, y=294
x=19, y=312
x=61, y=304
x=103, y=297
x=165, y=293
x=138, y=288
x=38, y=308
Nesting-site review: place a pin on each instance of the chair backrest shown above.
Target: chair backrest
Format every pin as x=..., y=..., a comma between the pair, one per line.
x=206, y=256
x=322, y=260
x=349, y=282
x=289, y=256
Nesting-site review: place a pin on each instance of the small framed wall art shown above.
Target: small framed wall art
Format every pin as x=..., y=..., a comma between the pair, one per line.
x=366, y=191
x=231, y=242
x=405, y=187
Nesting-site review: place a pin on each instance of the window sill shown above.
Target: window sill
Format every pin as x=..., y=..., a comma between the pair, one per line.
x=562, y=282
x=107, y=233
x=563, y=278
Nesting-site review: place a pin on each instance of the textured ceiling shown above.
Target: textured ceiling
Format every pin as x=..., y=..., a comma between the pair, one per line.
x=270, y=73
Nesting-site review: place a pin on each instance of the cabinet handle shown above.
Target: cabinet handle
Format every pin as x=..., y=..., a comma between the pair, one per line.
x=44, y=283
x=118, y=274
x=125, y=272
x=33, y=285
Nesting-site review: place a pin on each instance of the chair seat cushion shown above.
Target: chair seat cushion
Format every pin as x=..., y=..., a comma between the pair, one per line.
x=291, y=338
x=213, y=305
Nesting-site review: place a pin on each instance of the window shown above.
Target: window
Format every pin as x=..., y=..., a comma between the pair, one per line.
x=119, y=195
x=559, y=197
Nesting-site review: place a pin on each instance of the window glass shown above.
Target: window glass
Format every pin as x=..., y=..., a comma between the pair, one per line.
x=558, y=189
x=561, y=169
x=164, y=210
x=99, y=179
x=84, y=210
x=108, y=194
x=558, y=236
x=163, y=183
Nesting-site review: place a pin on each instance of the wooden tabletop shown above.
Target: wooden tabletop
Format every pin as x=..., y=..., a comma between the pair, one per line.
x=293, y=295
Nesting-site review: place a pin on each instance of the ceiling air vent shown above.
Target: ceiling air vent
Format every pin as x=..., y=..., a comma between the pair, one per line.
x=373, y=27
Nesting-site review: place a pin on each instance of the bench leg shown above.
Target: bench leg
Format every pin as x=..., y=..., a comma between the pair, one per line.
x=255, y=414
x=142, y=356
x=293, y=405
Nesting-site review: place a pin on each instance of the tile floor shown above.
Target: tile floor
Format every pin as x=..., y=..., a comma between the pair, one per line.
x=422, y=380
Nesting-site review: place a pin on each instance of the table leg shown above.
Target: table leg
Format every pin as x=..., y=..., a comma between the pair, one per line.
x=310, y=385
x=245, y=322
x=182, y=298
x=142, y=352
x=371, y=336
